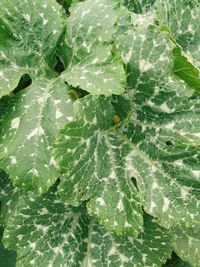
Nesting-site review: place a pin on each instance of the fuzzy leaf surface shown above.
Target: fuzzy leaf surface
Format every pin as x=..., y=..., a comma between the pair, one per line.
x=29, y=33
x=91, y=152
x=151, y=248
x=7, y=257
x=9, y=196
x=94, y=66
x=163, y=126
x=30, y=124
x=185, y=70
x=46, y=232
x=138, y=6
x=183, y=22
x=187, y=242
x=157, y=144
x=50, y=233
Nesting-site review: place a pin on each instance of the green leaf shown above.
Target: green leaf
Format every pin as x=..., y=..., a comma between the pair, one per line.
x=163, y=128
x=186, y=244
x=8, y=200
x=9, y=196
x=138, y=6
x=89, y=154
x=186, y=71
x=68, y=3
x=95, y=66
x=175, y=261
x=29, y=33
x=124, y=21
x=147, y=55
x=30, y=124
x=157, y=144
x=182, y=18
x=7, y=258
x=47, y=232
x=151, y=248
x=181, y=264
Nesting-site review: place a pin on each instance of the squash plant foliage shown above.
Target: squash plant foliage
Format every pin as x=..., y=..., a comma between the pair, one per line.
x=100, y=133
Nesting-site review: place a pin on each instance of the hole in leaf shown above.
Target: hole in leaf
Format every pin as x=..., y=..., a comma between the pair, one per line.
x=59, y=67
x=174, y=260
x=24, y=82
x=76, y=92
x=169, y=143
x=134, y=181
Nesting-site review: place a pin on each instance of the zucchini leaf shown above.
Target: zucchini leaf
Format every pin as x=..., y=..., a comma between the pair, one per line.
x=95, y=67
x=138, y=6
x=29, y=126
x=186, y=244
x=46, y=232
x=157, y=144
x=29, y=34
x=183, y=20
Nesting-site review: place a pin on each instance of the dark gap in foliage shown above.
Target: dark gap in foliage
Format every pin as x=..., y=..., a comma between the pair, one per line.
x=194, y=96
x=24, y=82
x=169, y=143
x=134, y=181
x=58, y=181
x=4, y=101
x=3, y=105
x=76, y=93
x=65, y=4
x=175, y=261
x=59, y=67
x=7, y=257
x=172, y=261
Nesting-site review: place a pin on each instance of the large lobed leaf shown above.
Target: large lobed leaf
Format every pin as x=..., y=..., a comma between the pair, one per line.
x=163, y=127
x=157, y=144
x=94, y=66
x=124, y=155
x=182, y=18
x=47, y=232
x=30, y=124
x=89, y=153
x=29, y=34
